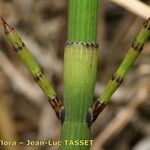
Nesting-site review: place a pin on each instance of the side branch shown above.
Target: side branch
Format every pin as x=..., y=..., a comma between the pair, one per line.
x=115, y=81
x=37, y=73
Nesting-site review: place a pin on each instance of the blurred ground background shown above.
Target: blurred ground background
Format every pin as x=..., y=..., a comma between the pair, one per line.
x=24, y=110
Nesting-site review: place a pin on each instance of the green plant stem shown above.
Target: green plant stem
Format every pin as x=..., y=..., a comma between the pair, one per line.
x=38, y=75
x=131, y=56
x=79, y=78
x=80, y=69
x=82, y=20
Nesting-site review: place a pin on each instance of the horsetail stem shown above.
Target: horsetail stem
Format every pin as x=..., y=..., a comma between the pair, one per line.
x=131, y=56
x=80, y=69
x=82, y=20
x=79, y=81
x=37, y=73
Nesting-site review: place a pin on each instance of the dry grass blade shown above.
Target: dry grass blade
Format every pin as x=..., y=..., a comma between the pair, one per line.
x=135, y=6
x=7, y=126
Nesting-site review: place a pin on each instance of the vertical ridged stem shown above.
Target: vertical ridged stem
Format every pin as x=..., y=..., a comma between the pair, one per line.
x=80, y=63
x=82, y=20
x=80, y=69
x=131, y=56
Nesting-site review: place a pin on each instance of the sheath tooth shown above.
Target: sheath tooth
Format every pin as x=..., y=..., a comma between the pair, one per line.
x=87, y=44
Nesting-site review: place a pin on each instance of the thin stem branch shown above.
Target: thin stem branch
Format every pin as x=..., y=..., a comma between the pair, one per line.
x=122, y=118
x=38, y=75
x=115, y=81
x=19, y=81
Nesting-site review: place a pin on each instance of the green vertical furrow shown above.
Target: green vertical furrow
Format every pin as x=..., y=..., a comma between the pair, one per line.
x=82, y=20
x=79, y=79
x=72, y=132
x=80, y=69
